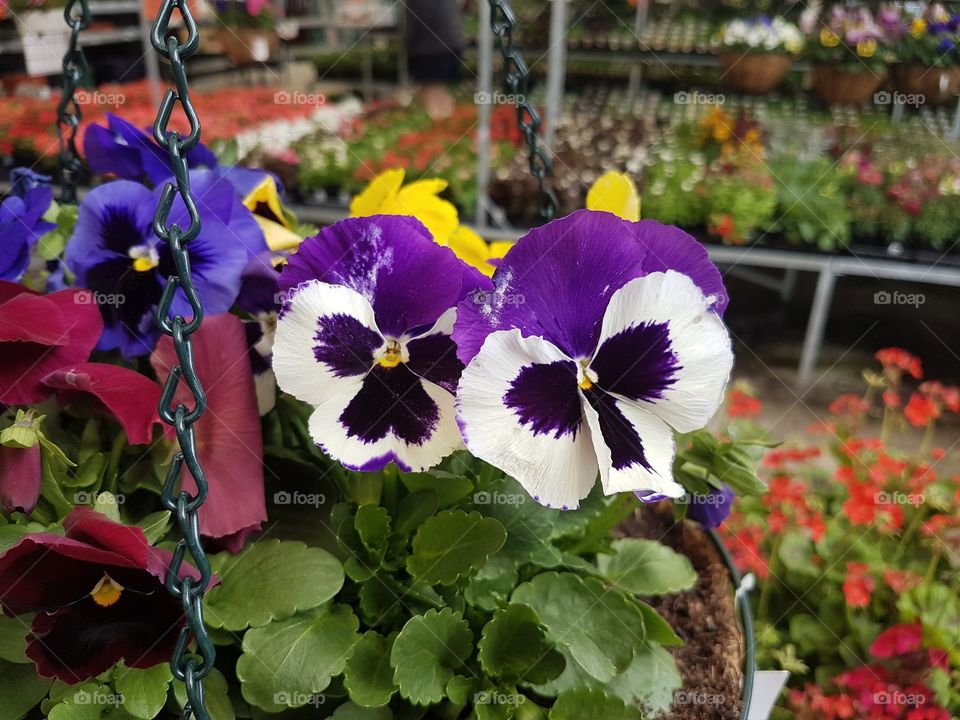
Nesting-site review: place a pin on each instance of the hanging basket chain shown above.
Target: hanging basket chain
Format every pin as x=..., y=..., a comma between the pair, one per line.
x=188, y=667
x=77, y=15
x=516, y=82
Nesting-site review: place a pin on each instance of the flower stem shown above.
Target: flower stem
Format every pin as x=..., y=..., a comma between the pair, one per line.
x=927, y=440
x=932, y=567
x=767, y=589
x=907, y=536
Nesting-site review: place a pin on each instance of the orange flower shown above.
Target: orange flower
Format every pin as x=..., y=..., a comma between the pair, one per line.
x=740, y=404
x=897, y=360
x=858, y=586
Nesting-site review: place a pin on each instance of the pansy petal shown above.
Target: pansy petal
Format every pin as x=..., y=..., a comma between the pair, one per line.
x=381, y=190
x=229, y=438
x=326, y=337
x=433, y=355
x=555, y=283
x=130, y=397
x=392, y=261
x=420, y=199
x=394, y=416
x=519, y=409
x=614, y=192
x=635, y=448
x=662, y=345
x=670, y=248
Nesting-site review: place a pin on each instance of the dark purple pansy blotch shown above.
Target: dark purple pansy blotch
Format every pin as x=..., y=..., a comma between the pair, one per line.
x=364, y=336
x=601, y=337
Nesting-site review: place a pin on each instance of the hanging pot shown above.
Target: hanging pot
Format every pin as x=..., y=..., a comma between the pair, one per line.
x=730, y=640
x=245, y=46
x=842, y=87
x=753, y=73
x=937, y=85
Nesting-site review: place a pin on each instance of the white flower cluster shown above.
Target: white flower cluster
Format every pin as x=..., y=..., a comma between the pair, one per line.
x=762, y=34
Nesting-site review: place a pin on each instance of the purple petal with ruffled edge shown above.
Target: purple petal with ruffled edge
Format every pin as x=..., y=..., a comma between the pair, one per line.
x=557, y=280
x=393, y=262
x=21, y=225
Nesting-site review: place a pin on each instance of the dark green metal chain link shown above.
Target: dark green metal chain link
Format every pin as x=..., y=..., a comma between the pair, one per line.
x=516, y=82
x=77, y=15
x=190, y=667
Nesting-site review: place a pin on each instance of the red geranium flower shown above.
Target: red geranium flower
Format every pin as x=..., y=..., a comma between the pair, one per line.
x=849, y=406
x=921, y=410
x=897, y=641
x=740, y=404
x=228, y=436
x=901, y=580
x=99, y=595
x=897, y=360
x=858, y=585
x=64, y=328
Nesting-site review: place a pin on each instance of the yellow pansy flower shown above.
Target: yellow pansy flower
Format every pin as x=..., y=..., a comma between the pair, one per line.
x=866, y=48
x=615, y=192
x=828, y=38
x=918, y=27
x=387, y=195
x=475, y=251
x=264, y=202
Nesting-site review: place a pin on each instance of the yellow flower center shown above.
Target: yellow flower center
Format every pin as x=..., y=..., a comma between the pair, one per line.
x=144, y=257
x=106, y=592
x=393, y=356
x=586, y=383
x=587, y=376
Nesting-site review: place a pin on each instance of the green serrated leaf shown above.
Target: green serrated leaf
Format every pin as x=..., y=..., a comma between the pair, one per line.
x=657, y=629
x=13, y=638
x=107, y=504
x=460, y=688
x=651, y=680
x=144, y=691
x=270, y=580
x=414, y=510
x=426, y=653
x=373, y=526
x=490, y=588
x=600, y=626
x=87, y=701
x=592, y=703
x=452, y=544
x=514, y=647
x=20, y=690
x=286, y=663
x=351, y=711
x=215, y=692
x=647, y=567
x=368, y=675
x=529, y=525
x=449, y=487
x=378, y=603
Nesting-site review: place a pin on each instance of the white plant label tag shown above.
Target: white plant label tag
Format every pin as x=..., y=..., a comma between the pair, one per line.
x=260, y=49
x=767, y=685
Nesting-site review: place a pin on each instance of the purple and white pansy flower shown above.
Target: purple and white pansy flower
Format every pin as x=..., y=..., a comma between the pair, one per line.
x=601, y=337
x=364, y=335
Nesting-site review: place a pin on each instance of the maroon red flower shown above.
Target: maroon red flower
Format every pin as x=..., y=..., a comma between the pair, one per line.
x=19, y=478
x=127, y=395
x=62, y=329
x=99, y=595
x=228, y=435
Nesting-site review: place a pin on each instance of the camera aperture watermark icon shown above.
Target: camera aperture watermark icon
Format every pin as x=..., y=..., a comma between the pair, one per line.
x=95, y=97
x=885, y=97
x=685, y=97
x=298, y=498
x=298, y=699
x=94, y=297
x=498, y=98
x=884, y=297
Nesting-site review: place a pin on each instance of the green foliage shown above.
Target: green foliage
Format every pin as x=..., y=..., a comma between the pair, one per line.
x=812, y=204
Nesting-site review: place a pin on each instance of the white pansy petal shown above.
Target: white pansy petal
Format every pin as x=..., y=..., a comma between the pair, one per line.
x=662, y=346
x=394, y=417
x=634, y=447
x=519, y=409
x=326, y=340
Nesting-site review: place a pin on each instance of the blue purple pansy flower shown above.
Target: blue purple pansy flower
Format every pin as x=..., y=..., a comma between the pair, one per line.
x=124, y=150
x=114, y=252
x=601, y=337
x=22, y=223
x=364, y=336
x=712, y=508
